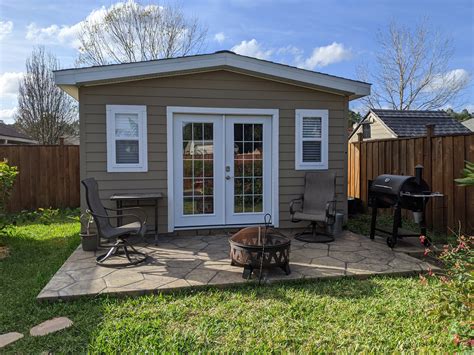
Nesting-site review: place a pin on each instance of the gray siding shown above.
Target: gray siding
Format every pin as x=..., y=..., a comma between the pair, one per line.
x=210, y=89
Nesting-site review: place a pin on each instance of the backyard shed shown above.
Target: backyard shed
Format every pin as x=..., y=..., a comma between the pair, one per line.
x=226, y=138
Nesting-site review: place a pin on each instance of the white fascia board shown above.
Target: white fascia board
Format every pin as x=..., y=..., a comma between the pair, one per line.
x=94, y=75
x=18, y=139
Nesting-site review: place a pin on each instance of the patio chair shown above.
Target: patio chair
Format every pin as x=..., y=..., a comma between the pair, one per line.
x=120, y=234
x=317, y=206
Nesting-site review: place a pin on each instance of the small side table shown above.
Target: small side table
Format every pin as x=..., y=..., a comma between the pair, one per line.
x=136, y=200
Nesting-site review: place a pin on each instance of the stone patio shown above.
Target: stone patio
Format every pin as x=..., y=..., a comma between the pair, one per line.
x=194, y=261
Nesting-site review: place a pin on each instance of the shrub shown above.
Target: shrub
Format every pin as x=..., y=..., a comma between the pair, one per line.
x=468, y=175
x=7, y=179
x=455, y=289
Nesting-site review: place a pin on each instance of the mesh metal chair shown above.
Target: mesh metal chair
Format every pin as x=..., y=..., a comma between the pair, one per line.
x=317, y=205
x=121, y=247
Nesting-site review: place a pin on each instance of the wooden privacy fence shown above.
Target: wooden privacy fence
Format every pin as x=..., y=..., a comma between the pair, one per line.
x=48, y=176
x=443, y=158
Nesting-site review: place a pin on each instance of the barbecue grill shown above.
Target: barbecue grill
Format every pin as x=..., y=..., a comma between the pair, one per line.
x=400, y=192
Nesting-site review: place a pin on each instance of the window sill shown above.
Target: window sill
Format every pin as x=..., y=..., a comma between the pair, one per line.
x=311, y=167
x=127, y=169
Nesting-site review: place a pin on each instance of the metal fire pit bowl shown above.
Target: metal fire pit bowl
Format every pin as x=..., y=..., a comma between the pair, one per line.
x=246, y=249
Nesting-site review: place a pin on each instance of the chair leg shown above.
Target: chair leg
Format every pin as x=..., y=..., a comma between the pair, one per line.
x=313, y=236
x=121, y=248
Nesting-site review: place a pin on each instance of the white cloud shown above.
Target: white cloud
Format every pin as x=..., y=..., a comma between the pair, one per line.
x=6, y=27
x=453, y=78
x=9, y=82
x=53, y=34
x=220, y=37
x=469, y=108
x=7, y=115
x=252, y=49
x=323, y=56
x=292, y=50
x=65, y=34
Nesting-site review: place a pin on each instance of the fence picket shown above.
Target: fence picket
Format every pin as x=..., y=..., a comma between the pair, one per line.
x=49, y=176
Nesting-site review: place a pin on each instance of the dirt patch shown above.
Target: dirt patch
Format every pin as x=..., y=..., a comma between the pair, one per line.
x=4, y=252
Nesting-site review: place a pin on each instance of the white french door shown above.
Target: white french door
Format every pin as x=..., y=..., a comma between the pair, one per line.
x=248, y=169
x=222, y=169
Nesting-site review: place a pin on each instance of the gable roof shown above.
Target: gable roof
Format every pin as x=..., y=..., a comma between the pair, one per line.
x=9, y=131
x=413, y=123
x=469, y=124
x=70, y=79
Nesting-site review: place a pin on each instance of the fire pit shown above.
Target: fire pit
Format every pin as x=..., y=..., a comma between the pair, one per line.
x=259, y=247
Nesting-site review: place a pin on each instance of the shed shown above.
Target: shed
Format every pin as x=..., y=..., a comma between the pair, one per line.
x=226, y=138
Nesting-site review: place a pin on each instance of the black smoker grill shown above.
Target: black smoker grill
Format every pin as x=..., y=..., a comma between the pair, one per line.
x=400, y=191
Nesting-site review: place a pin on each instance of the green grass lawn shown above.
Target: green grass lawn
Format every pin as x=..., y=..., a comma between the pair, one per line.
x=376, y=314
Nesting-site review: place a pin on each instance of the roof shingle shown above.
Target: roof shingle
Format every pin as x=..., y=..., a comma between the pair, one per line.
x=9, y=131
x=413, y=123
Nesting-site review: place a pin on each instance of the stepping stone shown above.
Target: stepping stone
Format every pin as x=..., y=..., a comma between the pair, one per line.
x=50, y=326
x=9, y=338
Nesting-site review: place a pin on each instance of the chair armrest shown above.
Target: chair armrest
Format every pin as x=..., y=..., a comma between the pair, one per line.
x=142, y=222
x=296, y=205
x=145, y=216
x=331, y=209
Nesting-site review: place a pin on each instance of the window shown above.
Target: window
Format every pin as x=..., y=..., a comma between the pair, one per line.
x=126, y=138
x=366, y=130
x=311, y=140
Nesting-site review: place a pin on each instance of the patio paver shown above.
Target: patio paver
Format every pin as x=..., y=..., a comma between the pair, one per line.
x=196, y=261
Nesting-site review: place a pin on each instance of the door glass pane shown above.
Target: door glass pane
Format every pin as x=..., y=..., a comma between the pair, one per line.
x=248, y=168
x=198, y=168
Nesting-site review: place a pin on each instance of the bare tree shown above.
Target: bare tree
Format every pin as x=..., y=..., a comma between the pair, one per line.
x=45, y=112
x=130, y=32
x=411, y=70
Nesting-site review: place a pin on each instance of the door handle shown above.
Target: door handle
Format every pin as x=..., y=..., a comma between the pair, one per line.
x=228, y=177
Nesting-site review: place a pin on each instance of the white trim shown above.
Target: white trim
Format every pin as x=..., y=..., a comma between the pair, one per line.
x=112, y=166
x=172, y=110
x=70, y=79
x=299, y=164
x=19, y=140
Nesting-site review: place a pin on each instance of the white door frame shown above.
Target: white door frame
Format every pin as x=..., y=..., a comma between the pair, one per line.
x=218, y=175
x=274, y=113
x=241, y=218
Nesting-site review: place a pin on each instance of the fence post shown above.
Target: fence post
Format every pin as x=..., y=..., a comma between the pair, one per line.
x=427, y=162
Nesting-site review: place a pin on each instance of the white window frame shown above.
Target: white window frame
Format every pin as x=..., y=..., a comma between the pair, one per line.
x=299, y=164
x=111, y=111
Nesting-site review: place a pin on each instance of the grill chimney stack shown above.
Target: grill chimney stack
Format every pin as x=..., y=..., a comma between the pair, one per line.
x=419, y=173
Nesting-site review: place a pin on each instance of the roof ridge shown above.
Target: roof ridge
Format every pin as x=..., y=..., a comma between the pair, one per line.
x=208, y=54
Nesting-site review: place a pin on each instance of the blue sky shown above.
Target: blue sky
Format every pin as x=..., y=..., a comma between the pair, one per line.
x=328, y=36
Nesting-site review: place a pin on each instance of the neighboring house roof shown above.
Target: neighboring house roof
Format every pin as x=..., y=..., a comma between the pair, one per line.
x=469, y=124
x=71, y=140
x=9, y=132
x=70, y=79
x=413, y=123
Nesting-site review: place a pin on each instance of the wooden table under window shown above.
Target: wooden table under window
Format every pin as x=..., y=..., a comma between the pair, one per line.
x=139, y=200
